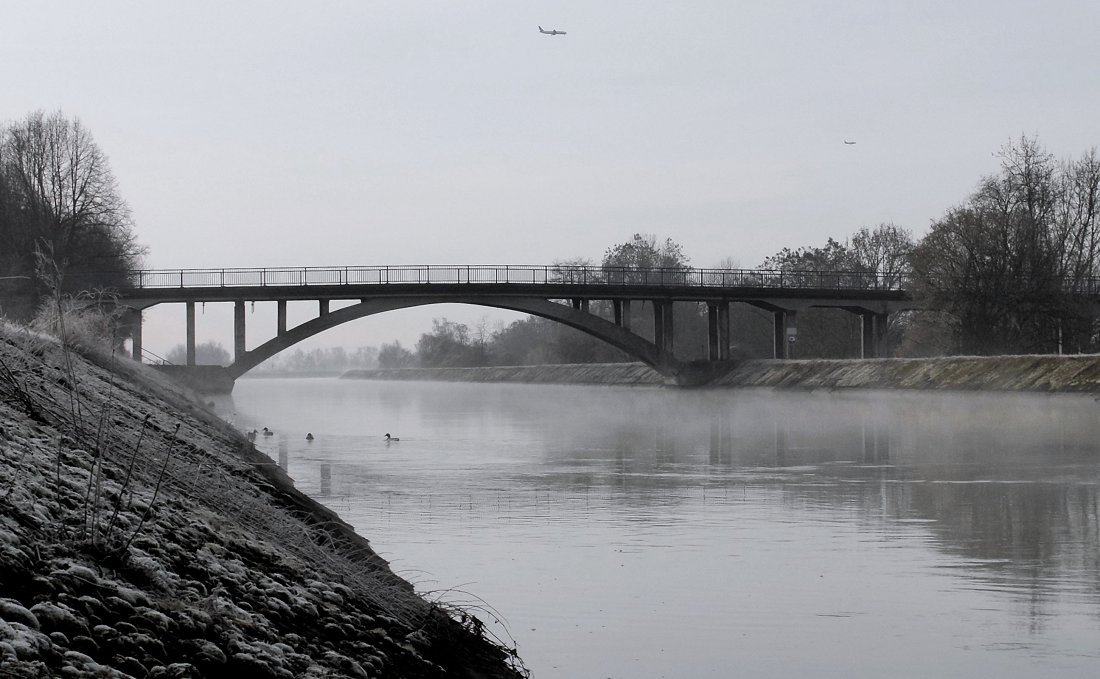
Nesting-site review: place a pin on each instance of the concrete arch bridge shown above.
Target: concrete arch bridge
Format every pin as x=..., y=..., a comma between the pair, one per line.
x=560, y=293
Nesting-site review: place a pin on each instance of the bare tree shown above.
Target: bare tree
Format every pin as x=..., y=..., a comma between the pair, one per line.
x=883, y=251
x=1010, y=264
x=58, y=194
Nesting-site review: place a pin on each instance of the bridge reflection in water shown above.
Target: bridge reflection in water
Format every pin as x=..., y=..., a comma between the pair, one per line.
x=595, y=300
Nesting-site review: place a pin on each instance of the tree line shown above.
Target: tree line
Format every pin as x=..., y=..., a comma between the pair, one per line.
x=1011, y=269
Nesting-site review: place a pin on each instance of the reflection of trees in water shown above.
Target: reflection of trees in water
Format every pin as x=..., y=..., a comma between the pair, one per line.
x=1011, y=488
x=1006, y=483
x=1026, y=533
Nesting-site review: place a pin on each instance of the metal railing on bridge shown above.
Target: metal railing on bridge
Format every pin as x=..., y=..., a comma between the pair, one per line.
x=546, y=275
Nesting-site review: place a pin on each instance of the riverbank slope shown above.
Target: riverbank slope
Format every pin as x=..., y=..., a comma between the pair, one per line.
x=140, y=536
x=958, y=373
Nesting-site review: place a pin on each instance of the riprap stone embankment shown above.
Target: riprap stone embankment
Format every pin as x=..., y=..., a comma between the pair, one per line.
x=141, y=536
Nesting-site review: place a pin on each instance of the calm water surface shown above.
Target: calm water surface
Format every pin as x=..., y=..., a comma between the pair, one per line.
x=641, y=533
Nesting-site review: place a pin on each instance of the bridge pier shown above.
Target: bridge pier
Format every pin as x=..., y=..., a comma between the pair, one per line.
x=280, y=328
x=239, y=349
x=622, y=312
x=133, y=320
x=718, y=331
x=785, y=332
x=663, y=325
x=190, y=333
x=873, y=334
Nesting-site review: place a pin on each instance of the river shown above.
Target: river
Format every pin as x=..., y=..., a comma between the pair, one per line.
x=644, y=533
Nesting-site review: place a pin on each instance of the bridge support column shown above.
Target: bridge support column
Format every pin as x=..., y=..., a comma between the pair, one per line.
x=786, y=332
x=190, y=333
x=718, y=330
x=322, y=307
x=874, y=334
x=134, y=322
x=622, y=312
x=662, y=325
x=580, y=304
x=724, y=331
x=238, y=330
x=281, y=327
x=712, y=332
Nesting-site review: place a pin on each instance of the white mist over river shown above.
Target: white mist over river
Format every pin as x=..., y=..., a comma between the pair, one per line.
x=637, y=533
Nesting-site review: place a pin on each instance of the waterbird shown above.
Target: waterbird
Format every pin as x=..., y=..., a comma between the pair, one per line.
x=849, y=143
x=309, y=436
x=251, y=436
x=391, y=438
x=268, y=432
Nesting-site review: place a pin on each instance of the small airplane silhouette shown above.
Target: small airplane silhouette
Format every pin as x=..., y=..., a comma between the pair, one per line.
x=551, y=32
x=849, y=143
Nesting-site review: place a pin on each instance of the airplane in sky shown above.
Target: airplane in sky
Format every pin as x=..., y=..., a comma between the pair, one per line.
x=849, y=143
x=551, y=32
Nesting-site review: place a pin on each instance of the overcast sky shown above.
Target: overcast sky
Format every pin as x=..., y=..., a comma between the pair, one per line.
x=247, y=134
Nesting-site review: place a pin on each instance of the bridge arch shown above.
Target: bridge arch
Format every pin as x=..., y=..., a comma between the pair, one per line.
x=648, y=352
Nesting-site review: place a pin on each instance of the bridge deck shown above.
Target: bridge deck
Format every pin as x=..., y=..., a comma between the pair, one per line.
x=463, y=281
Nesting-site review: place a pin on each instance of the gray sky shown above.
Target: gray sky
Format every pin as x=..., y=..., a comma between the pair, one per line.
x=247, y=134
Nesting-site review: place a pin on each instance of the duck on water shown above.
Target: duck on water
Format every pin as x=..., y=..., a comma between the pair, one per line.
x=391, y=438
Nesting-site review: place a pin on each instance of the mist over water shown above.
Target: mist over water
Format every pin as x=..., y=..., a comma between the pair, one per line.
x=626, y=532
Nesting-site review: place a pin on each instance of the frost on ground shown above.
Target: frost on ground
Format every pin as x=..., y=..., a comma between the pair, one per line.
x=142, y=536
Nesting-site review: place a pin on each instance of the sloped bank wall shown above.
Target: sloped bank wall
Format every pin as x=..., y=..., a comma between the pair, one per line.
x=571, y=373
x=960, y=373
